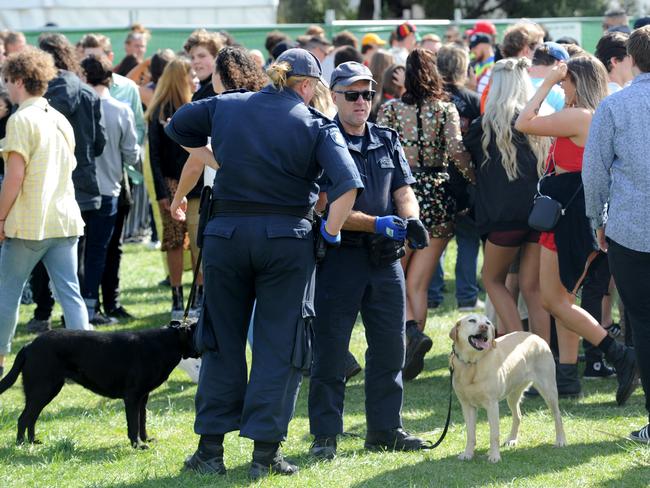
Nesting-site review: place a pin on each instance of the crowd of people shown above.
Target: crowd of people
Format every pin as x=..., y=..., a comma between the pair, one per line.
x=422, y=140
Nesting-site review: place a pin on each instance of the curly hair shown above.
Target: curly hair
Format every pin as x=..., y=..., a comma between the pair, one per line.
x=212, y=41
x=422, y=82
x=61, y=49
x=237, y=69
x=35, y=68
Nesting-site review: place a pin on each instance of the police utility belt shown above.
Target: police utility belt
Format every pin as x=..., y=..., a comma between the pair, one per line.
x=382, y=251
x=230, y=207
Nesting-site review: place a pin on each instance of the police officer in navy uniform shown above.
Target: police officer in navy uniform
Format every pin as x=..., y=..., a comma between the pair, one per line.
x=372, y=242
x=271, y=148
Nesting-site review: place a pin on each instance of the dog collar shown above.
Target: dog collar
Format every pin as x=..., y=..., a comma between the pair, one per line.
x=455, y=354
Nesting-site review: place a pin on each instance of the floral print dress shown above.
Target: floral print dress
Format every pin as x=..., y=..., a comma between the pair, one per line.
x=431, y=137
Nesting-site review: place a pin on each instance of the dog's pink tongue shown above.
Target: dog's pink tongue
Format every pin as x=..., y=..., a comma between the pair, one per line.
x=481, y=343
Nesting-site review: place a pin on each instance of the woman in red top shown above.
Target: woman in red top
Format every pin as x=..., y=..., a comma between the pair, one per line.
x=584, y=80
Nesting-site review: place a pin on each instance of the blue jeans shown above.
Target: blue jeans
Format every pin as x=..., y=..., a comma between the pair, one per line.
x=468, y=243
x=99, y=229
x=19, y=256
x=435, y=292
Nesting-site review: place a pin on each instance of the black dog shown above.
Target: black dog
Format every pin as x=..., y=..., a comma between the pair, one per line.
x=127, y=365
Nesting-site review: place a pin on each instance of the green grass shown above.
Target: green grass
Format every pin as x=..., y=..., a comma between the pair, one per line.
x=85, y=443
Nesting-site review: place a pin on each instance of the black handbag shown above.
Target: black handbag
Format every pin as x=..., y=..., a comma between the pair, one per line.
x=546, y=211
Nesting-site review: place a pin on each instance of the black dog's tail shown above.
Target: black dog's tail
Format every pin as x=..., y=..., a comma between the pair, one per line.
x=11, y=377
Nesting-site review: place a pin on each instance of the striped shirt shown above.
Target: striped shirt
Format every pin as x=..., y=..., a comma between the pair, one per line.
x=46, y=205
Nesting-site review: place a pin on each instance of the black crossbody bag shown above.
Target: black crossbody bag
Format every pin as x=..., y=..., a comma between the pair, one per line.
x=546, y=211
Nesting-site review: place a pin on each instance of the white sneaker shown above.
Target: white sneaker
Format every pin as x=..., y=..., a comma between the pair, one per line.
x=192, y=366
x=178, y=314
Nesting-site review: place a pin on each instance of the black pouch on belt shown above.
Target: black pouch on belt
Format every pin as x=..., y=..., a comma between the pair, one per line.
x=205, y=205
x=302, y=354
x=320, y=246
x=382, y=251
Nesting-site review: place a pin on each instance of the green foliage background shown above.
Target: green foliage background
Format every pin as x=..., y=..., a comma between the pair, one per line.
x=301, y=11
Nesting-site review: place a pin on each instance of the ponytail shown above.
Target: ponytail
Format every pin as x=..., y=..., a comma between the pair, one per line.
x=277, y=72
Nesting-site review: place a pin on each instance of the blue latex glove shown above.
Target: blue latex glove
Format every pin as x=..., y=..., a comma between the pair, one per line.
x=391, y=226
x=329, y=238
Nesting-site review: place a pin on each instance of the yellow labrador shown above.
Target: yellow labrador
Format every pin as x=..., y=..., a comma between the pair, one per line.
x=486, y=371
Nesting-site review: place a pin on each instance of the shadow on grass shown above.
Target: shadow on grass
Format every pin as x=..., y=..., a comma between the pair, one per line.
x=517, y=464
x=60, y=450
x=235, y=476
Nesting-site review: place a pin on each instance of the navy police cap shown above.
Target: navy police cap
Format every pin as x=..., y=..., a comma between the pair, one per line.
x=302, y=62
x=350, y=72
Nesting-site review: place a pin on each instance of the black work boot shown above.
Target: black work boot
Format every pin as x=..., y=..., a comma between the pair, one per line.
x=267, y=459
x=394, y=440
x=624, y=361
x=352, y=366
x=417, y=345
x=323, y=448
x=568, y=382
x=208, y=458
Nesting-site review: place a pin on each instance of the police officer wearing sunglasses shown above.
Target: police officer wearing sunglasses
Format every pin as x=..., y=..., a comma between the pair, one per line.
x=258, y=244
x=372, y=242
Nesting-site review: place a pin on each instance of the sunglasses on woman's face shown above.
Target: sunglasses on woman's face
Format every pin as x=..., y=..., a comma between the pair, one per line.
x=353, y=96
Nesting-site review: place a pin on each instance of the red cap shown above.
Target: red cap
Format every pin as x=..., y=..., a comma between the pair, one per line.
x=485, y=27
x=404, y=30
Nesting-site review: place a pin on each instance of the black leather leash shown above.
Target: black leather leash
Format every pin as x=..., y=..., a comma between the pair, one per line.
x=190, y=299
x=447, y=422
x=205, y=201
x=446, y=428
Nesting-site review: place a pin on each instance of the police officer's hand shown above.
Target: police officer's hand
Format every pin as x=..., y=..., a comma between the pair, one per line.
x=416, y=233
x=332, y=241
x=391, y=226
x=178, y=209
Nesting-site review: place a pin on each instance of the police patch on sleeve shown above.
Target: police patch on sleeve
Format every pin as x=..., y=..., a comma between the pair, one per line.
x=338, y=138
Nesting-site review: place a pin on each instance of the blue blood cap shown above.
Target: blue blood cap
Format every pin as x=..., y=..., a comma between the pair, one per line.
x=347, y=73
x=302, y=62
x=557, y=51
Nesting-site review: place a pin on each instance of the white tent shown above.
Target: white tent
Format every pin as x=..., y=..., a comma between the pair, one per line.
x=33, y=14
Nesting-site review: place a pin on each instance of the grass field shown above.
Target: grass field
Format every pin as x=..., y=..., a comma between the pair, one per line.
x=85, y=443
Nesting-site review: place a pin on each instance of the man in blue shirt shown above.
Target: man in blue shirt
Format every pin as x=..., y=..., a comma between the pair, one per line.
x=371, y=244
x=616, y=177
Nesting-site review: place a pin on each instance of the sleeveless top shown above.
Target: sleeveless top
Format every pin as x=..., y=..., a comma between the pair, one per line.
x=565, y=154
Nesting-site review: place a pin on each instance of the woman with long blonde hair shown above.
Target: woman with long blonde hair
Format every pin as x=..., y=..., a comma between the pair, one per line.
x=174, y=89
x=508, y=165
x=568, y=250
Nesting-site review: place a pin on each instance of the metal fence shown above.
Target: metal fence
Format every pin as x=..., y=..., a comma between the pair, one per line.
x=587, y=30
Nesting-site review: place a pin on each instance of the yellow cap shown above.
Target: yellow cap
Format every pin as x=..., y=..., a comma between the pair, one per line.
x=372, y=38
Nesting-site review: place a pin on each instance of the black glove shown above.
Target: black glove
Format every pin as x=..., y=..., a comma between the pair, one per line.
x=416, y=233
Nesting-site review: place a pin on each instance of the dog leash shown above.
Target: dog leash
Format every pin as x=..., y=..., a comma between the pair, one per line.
x=190, y=299
x=204, y=205
x=446, y=428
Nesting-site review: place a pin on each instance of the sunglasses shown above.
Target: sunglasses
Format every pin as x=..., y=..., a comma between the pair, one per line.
x=353, y=96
